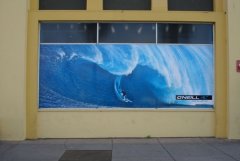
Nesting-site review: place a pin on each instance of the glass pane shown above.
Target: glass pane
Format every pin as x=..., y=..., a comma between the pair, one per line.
x=127, y=4
x=62, y=4
x=127, y=33
x=190, y=5
x=185, y=33
x=68, y=33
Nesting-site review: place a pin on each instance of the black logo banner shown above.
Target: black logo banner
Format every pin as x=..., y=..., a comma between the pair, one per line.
x=194, y=97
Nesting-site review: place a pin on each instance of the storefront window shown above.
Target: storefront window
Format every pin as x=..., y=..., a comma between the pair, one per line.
x=126, y=65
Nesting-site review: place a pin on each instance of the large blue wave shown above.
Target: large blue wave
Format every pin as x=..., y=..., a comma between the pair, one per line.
x=126, y=75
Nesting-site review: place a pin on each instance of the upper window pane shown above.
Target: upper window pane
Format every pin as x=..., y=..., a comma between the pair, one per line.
x=127, y=4
x=68, y=33
x=190, y=5
x=127, y=33
x=185, y=33
x=62, y=4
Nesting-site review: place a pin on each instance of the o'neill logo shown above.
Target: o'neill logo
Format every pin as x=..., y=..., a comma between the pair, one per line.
x=193, y=97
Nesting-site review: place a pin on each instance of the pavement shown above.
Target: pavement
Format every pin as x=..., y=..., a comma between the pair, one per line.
x=147, y=149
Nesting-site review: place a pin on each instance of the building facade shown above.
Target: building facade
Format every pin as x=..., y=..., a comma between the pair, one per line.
x=106, y=69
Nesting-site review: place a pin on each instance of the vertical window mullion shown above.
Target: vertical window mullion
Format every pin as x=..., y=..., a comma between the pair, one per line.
x=156, y=32
x=97, y=33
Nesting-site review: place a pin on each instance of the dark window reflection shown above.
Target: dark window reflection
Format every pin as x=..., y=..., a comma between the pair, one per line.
x=68, y=33
x=127, y=4
x=190, y=5
x=127, y=33
x=185, y=33
x=62, y=4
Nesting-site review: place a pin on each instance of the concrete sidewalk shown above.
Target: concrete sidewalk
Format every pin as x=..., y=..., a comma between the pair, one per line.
x=154, y=149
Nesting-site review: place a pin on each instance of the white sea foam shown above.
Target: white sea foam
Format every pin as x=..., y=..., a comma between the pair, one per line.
x=73, y=55
x=61, y=53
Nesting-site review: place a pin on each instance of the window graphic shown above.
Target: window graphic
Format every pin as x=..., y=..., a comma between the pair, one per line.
x=126, y=65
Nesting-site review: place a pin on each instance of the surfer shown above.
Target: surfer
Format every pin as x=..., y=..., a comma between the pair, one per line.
x=120, y=93
x=124, y=94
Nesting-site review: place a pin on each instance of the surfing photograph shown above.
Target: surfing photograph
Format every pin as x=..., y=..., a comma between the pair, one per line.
x=125, y=75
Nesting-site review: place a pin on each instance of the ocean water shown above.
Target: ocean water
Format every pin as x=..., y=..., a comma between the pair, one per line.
x=125, y=75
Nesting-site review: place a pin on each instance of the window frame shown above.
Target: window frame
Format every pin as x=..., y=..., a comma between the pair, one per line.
x=159, y=13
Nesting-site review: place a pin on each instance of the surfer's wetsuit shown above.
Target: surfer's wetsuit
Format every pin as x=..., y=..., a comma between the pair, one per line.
x=124, y=93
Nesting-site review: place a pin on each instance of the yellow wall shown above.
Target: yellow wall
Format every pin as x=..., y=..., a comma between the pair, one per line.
x=125, y=123
x=13, y=27
x=234, y=77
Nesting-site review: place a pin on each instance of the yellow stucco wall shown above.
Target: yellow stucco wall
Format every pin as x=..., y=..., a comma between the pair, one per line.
x=125, y=123
x=13, y=48
x=13, y=28
x=234, y=77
